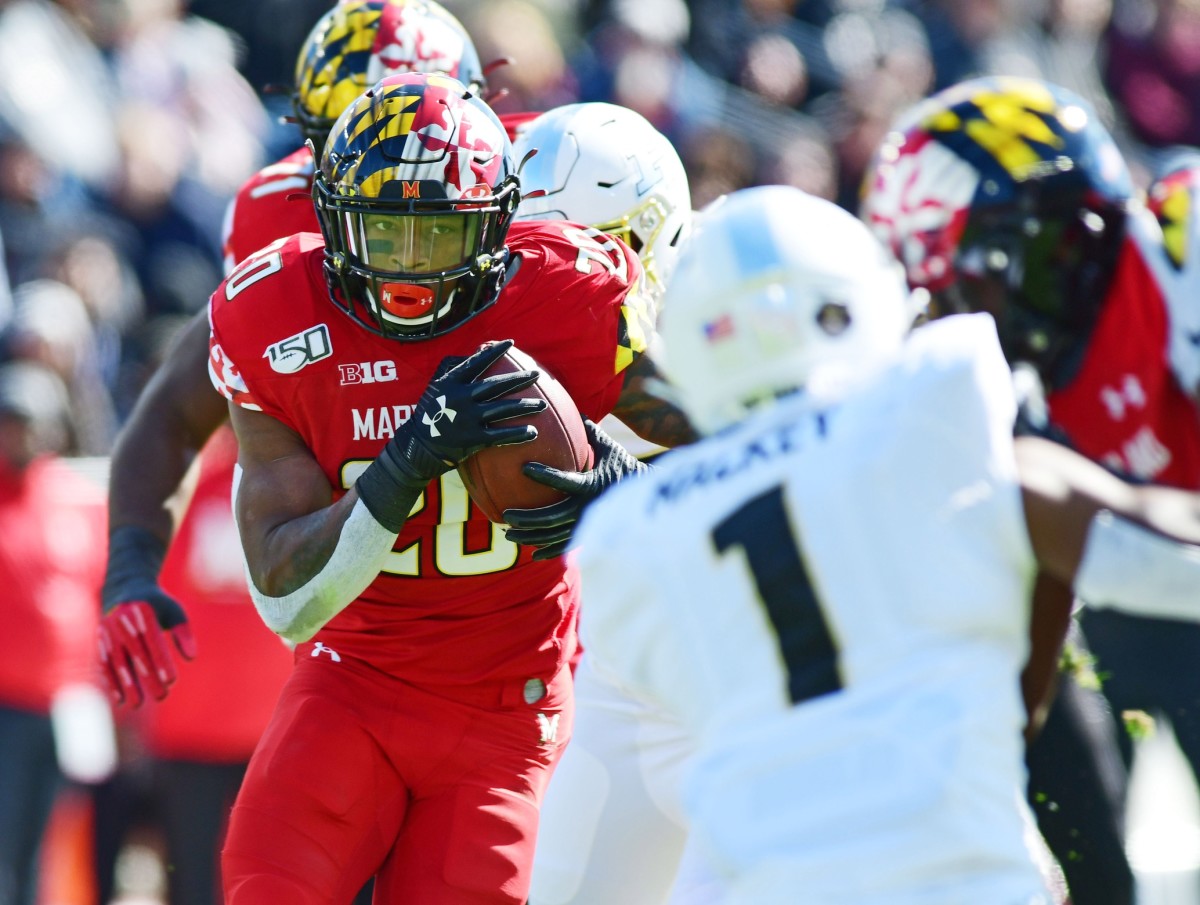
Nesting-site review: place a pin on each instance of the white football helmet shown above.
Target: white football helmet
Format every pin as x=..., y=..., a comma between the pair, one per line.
x=776, y=290
x=605, y=166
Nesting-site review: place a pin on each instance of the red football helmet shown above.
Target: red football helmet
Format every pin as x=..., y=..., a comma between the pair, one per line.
x=358, y=42
x=415, y=191
x=1008, y=196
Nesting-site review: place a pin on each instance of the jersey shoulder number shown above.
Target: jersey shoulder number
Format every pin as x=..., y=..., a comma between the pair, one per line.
x=266, y=207
x=269, y=294
x=596, y=249
x=600, y=250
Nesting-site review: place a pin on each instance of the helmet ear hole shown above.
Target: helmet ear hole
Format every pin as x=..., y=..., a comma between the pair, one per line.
x=816, y=304
x=834, y=318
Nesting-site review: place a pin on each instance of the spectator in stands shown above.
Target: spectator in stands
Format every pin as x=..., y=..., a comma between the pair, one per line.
x=51, y=563
x=51, y=327
x=56, y=92
x=1153, y=69
x=5, y=289
x=37, y=204
x=90, y=260
x=518, y=30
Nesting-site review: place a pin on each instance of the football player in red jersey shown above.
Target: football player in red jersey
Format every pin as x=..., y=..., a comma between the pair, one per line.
x=1008, y=196
x=348, y=49
x=431, y=694
x=352, y=46
x=1147, y=662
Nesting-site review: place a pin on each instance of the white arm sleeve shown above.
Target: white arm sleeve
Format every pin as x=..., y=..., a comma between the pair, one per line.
x=361, y=551
x=1129, y=568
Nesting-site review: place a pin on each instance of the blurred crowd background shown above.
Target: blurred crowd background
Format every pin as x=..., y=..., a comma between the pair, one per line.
x=127, y=125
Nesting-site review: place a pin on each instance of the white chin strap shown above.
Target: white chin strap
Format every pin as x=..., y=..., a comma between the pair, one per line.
x=1129, y=568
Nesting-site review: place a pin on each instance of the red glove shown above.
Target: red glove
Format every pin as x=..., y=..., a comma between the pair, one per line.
x=138, y=615
x=134, y=652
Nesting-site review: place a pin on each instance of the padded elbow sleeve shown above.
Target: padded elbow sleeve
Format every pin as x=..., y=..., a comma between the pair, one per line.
x=361, y=551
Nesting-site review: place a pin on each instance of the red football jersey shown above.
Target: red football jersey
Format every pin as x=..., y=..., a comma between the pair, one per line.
x=1126, y=408
x=276, y=201
x=457, y=602
x=51, y=566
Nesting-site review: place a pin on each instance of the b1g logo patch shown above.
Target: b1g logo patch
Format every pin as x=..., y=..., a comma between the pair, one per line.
x=368, y=372
x=290, y=355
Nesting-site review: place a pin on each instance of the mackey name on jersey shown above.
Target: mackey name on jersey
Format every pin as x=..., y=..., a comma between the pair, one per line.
x=759, y=450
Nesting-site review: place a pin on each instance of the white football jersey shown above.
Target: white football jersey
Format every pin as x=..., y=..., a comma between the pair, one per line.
x=611, y=828
x=834, y=599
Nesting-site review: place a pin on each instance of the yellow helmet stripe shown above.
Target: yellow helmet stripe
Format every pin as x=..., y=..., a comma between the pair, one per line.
x=1174, y=219
x=1009, y=120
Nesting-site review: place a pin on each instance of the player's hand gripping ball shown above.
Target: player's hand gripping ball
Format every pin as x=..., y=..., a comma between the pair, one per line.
x=493, y=476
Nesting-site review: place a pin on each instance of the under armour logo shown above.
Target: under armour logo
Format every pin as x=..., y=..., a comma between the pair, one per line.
x=320, y=648
x=1129, y=395
x=548, y=726
x=1145, y=455
x=431, y=421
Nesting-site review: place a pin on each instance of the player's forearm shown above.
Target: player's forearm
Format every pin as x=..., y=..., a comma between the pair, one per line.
x=1133, y=548
x=656, y=422
x=289, y=528
x=1050, y=616
x=175, y=415
x=1174, y=513
x=149, y=463
x=308, y=555
x=1128, y=567
x=307, y=570
x=650, y=417
x=146, y=470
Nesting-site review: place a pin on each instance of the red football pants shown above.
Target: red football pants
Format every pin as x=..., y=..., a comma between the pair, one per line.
x=360, y=774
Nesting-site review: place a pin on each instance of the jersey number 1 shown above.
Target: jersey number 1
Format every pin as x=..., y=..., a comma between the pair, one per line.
x=761, y=528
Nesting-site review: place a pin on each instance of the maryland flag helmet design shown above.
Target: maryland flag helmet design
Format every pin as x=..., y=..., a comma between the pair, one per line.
x=358, y=42
x=1006, y=195
x=415, y=191
x=1172, y=200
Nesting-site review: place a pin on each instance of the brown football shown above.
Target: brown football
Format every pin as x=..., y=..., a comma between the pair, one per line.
x=493, y=475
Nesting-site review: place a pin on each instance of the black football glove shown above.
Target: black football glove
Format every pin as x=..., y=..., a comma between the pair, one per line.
x=549, y=528
x=456, y=417
x=137, y=617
